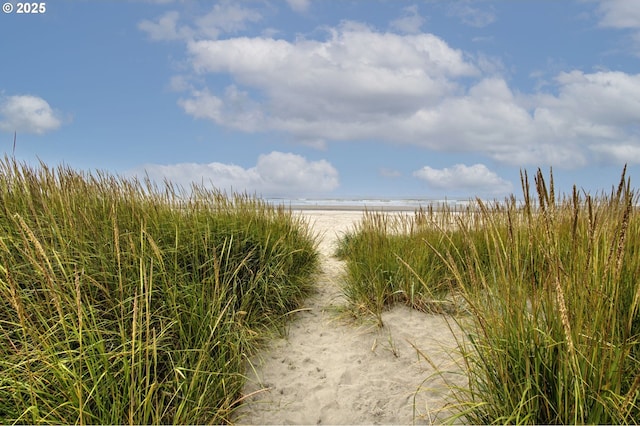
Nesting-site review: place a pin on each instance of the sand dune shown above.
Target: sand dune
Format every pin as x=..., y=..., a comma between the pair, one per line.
x=329, y=370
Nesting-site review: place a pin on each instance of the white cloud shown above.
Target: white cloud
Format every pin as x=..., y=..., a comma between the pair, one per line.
x=299, y=5
x=29, y=114
x=623, y=15
x=603, y=98
x=352, y=49
x=339, y=87
x=358, y=83
x=620, y=13
x=275, y=174
x=203, y=104
x=590, y=110
x=488, y=118
x=235, y=109
x=165, y=28
x=290, y=173
x=473, y=179
x=618, y=154
x=224, y=17
x=410, y=23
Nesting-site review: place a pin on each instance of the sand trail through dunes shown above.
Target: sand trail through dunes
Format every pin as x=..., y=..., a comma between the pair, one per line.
x=330, y=371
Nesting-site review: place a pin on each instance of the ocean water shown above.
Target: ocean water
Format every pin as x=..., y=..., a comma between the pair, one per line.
x=373, y=203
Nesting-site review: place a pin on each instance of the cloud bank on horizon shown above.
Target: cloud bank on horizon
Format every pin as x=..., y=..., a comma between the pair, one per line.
x=275, y=173
x=336, y=77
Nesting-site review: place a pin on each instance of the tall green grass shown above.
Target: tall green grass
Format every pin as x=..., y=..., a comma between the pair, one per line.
x=388, y=263
x=124, y=303
x=551, y=294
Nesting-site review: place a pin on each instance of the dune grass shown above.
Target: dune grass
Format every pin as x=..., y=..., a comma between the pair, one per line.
x=388, y=262
x=122, y=303
x=550, y=292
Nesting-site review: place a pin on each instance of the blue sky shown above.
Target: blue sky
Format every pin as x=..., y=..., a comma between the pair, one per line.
x=324, y=99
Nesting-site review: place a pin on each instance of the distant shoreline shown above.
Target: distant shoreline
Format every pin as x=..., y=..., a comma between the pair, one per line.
x=398, y=205
x=351, y=207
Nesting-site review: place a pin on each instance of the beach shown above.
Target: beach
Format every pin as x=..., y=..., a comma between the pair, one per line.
x=333, y=369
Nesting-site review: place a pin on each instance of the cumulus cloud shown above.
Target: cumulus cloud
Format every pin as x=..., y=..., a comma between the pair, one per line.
x=590, y=110
x=358, y=83
x=488, y=118
x=605, y=98
x=337, y=88
x=28, y=114
x=362, y=84
x=472, y=179
x=356, y=71
x=275, y=174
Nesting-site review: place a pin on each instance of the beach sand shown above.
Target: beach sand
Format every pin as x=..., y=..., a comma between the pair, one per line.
x=331, y=370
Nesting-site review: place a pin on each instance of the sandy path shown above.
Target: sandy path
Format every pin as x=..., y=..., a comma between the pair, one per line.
x=331, y=371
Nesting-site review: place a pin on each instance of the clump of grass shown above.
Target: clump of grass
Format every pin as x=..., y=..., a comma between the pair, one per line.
x=123, y=303
x=553, y=292
x=551, y=326
x=387, y=262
